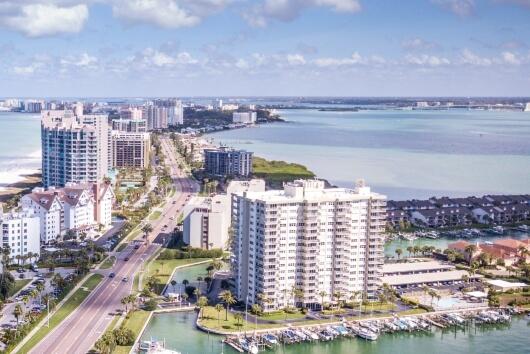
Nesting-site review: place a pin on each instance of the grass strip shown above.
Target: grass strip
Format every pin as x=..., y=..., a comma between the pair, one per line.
x=19, y=284
x=108, y=263
x=135, y=322
x=155, y=215
x=67, y=308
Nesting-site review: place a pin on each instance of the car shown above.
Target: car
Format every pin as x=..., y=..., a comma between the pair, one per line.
x=20, y=270
x=125, y=279
x=21, y=275
x=174, y=202
x=112, y=275
x=126, y=259
x=136, y=246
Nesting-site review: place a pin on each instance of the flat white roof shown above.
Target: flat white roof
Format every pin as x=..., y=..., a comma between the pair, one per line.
x=436, y=277
x=414, y=267
x=505, y=284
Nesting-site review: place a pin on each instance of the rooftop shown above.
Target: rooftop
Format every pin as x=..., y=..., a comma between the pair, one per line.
x=436, y=277
x=424, y=266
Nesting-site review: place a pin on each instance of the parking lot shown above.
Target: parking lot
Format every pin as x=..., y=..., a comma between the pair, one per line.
x=7, y=319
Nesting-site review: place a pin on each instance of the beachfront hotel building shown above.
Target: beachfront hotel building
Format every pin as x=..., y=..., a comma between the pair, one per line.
x=74, y=149
x=244, y=117
x=20, y=232
x=225, y=161
x=308, y=237
x=130, y=149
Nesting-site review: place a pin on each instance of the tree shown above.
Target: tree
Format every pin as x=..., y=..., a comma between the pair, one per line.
x=147, y=228
x=410, y=249
x=185, y=297
x=238, y=317
x=17, y=312
x=201, y=303
x=228, y=299
x=124, y=336
x=70, y=234
x=218, y=308
x=125, y=301
x=106, y=344
x=7, y=281
x=470, y=251
x=173, y=283
x=399, y=251
x=297, y=294
x=256, y=309
x=338, y=295
x=322, y=295
x=217, y=264
x=150, y=305
x=199, y=280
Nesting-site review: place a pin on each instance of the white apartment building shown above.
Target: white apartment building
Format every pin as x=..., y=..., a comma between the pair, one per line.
x=527, y=107
x=307, y=237
x=207, y=221
x=74, y=149
x=21, y=233
x=82, y=208
x=244, y=117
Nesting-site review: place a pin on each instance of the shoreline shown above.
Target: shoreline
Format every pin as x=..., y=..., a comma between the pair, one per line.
x=23, y=186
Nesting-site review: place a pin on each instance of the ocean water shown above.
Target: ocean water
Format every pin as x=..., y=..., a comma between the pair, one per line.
x=403, y=154
x=20, y=146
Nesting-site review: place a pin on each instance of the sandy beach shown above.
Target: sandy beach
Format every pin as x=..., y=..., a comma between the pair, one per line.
x=29, y=182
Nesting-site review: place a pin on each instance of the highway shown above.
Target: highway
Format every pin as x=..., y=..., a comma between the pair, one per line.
x=78, y=332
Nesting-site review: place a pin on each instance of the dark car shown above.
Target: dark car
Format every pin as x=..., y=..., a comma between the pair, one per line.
x=125, y=279
x=112, y=275
x=136, y=246
x=126, y=259
x=21, y=275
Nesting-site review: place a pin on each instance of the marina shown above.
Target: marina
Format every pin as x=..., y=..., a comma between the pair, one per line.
x=480, y=331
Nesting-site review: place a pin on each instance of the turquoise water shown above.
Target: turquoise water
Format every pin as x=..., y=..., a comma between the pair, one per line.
x=177, y=329
x=404, y=154
x=19, y=146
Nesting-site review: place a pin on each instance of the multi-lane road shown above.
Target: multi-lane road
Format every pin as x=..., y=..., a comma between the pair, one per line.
x=78, y=332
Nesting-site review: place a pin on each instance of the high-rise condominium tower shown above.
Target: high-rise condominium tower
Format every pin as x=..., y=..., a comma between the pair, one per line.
x=74, y=149
x=306, y=244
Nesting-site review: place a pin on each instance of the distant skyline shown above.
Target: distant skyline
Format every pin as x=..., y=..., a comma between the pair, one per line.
x=128, y=48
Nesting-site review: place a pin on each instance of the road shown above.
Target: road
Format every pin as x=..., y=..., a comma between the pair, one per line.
x=79, y=332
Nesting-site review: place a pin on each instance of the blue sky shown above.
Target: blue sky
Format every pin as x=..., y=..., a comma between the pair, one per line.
x=264, y=47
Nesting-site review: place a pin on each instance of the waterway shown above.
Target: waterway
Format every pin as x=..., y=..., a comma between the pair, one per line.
x=403, y=154
x=177, y=329
x=179, y=333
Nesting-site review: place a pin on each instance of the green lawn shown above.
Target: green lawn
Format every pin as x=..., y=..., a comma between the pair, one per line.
x=275, y=316
x=135, y=322
x=162, y=269
x=70, y=305
x=121, y=247
x=133, y=235
x=108, y=263
x=19, y=284
x=155, y=215
x=276, y=172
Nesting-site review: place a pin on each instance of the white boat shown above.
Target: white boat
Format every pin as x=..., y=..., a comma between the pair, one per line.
x=154, y=347
x=497, y=230
x=366, y=334
x=523, y=228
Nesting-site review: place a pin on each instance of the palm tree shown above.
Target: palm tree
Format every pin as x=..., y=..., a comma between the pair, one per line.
x=297, y=293
x=322, y=295
x=416, y=249
x=147, y=228
x=399, y=251
x=217, y=264
x=185, y=297
x=338, y=295
x=227, y=297
x=201, y=303
x=470, y=250
x=17, y=312
x=218, y=308
x=199, y=280
x=410, y=249
x=238, y=317
x=173, y=283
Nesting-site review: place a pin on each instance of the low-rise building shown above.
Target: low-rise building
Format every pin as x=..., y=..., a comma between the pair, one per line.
x=244, y=117
x=79, y=207
x=20, y=233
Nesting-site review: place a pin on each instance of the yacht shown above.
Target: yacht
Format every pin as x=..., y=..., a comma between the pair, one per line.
x=523, y=228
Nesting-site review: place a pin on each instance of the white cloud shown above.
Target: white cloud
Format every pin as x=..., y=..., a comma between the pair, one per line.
x=167, y=13
x=470, y=58
x=427, y=60
x=158, y=58
x=83, y=61
x=417, y=44
x=47, y=19
x=460, y=8
x=27, y=70
x=287, y=10
x=510, y=58
x=295, y=59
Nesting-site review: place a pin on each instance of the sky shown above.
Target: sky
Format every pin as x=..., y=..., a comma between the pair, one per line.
x=117, y=48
